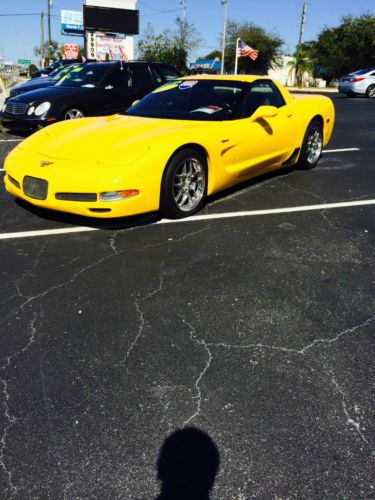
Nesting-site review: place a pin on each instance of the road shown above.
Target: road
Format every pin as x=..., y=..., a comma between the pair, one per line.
x=235, y=349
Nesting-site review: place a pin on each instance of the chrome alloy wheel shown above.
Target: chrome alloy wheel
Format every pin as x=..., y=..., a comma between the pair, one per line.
x=189, y=184
x=314, y=146
x=72, y=114
x=371, y=91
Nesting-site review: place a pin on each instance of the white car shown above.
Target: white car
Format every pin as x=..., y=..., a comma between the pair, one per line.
x=361, y=82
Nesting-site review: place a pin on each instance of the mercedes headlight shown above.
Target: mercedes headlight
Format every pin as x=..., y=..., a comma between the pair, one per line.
x=42, y=108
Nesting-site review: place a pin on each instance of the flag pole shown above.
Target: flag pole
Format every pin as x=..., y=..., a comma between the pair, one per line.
x=236, y=56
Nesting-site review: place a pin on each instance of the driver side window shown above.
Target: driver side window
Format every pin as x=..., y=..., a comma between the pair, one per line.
x=118, y=78
x=262, y=93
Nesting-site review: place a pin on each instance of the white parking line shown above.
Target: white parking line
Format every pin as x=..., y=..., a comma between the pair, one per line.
x=340, y=150
x=11, y=140
x=2, y=169
x=197, y=218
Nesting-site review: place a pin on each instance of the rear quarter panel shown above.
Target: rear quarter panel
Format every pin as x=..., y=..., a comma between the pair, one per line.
x=306, y=107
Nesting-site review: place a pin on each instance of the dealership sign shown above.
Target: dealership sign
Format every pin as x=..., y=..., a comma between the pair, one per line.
x=72, y=22
x=100, y=45
x=70, y=51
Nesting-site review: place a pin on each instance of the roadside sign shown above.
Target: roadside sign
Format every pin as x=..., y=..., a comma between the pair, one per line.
x=24, y=62
x=71, y=23
x=70, y=51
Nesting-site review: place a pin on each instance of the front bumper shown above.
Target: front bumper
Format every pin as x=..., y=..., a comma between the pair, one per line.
x=24, y=122
x=63, y=177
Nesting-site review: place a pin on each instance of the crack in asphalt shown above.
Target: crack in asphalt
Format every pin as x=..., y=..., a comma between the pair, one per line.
x=198, y=396
x=349, y=420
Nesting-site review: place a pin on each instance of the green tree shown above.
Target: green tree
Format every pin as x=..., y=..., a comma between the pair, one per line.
x=301, y=64
x=168, y=46
x=51, y=52
x=345, y=48
x=213, y=54
x=269, y=46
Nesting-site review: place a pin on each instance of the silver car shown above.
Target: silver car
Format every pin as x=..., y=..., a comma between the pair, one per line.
x=361, y=82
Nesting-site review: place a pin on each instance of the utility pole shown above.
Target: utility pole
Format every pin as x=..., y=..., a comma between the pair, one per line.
x=225, y=3
x=42, y=37
x=49, y=2
x=304, y=9
x=183, y=3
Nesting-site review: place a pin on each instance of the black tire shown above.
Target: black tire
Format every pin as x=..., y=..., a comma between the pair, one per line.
x=69, y=113
x=311, y=150
x=370, y=92
x=184, y=185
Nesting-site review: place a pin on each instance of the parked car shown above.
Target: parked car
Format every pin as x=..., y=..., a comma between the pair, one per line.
x=361, y=82
x=91, y=89
x=186, y=140
x=42, y=82
x=57, y=64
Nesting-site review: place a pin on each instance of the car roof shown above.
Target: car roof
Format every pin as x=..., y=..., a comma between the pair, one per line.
x=232, y=78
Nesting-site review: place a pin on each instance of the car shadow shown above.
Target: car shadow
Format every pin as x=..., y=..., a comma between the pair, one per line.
x=128, y=222
x=187, y=465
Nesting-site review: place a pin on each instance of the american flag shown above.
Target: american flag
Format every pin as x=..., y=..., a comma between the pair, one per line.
x=123, y=56
x=111, y=54
x=244, y=50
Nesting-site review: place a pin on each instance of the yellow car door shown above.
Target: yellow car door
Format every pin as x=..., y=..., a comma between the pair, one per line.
x=264, y=137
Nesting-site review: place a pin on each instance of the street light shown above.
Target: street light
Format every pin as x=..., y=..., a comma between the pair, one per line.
x=225, y=3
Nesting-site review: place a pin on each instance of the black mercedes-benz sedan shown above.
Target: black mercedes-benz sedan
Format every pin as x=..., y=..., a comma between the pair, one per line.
x=90, y=89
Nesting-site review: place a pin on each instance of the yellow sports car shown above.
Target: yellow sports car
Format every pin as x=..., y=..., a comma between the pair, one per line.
x=186, y=140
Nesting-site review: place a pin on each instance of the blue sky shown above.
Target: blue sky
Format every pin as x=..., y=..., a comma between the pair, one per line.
x=18, y=35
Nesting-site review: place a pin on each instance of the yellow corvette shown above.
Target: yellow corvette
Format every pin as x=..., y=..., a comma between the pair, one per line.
x=186, y=140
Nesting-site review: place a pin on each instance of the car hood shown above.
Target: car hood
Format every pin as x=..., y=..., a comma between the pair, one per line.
x=110, y=140
x=48, y=94
x=29, y=86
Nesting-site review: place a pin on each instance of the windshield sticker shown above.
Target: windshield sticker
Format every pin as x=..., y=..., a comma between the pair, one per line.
x=167, y=86
x=207, y=109
x=188, y=84
x=76, y=69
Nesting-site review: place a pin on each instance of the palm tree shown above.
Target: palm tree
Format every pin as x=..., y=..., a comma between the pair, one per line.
x=301, y=64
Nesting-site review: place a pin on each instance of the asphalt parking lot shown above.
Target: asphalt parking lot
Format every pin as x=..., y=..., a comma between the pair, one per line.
x=234, y=347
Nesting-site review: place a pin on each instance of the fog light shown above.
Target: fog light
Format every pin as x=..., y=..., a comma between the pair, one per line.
x=31, y=110
x=118, y=195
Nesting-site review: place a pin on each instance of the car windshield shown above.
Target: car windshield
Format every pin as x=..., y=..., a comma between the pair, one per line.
x=83, y=76
x=213, y=100
x=60, y=72
x=361, y=71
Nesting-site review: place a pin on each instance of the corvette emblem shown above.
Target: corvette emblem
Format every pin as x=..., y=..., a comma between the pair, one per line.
x=44, y=163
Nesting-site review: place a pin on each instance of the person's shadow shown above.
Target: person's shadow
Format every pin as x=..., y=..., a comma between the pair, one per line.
x=187, y=465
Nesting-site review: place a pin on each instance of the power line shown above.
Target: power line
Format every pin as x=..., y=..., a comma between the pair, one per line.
x=8, y=15
x=149, y=6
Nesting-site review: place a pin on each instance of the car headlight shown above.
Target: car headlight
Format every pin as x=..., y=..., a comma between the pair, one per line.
x=31, y=110
x=42, y=108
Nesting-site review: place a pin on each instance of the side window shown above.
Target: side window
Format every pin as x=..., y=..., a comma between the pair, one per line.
x=118, y=78
x=141, y=75
x=372, y=74
x=168, y=73
x=156, y=77
x=262, y=93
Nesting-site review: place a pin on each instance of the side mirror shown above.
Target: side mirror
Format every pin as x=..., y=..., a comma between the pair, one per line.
x=135, y=102
x=264, y=112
